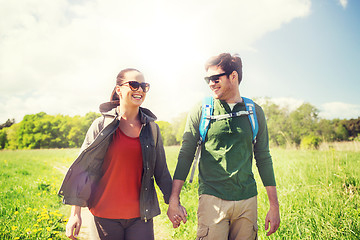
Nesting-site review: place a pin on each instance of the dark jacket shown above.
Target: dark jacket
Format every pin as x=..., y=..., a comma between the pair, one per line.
x=86, y=171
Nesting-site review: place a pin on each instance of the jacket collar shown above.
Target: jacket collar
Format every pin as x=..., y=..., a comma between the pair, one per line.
x=110, y=109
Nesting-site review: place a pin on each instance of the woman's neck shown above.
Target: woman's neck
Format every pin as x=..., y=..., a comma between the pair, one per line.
x=130, y=123
x=128, y=113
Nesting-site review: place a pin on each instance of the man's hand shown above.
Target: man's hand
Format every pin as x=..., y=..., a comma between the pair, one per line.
x=177, y=213
x=272, y=218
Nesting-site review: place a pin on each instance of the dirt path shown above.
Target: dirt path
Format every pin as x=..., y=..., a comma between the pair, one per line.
x=88, y=229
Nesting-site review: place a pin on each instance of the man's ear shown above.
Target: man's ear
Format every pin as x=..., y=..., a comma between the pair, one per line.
x=234, y=77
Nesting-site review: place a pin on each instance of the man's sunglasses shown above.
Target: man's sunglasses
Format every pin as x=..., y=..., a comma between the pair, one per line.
x=134, y=86
x=214, y=78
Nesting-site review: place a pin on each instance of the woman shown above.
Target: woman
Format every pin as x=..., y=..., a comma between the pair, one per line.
x=114, y=174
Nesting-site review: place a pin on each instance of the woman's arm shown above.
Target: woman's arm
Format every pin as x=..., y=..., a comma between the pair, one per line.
x=161, y=171
x=74, y=224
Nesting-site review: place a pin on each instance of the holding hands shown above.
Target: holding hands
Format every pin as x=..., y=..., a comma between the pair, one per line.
x=176, y=213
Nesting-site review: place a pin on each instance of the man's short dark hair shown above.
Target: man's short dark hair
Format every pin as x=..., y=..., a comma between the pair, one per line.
x=227, y=63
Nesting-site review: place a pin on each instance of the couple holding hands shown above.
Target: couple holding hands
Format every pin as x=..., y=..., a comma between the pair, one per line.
x=123, y=156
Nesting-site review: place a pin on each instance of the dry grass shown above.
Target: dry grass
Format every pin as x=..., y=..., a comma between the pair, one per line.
x=353, y=146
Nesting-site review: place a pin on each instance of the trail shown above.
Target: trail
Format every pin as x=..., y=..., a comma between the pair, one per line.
x=88, y=229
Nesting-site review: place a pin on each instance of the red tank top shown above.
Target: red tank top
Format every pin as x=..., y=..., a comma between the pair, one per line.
x=117, y=195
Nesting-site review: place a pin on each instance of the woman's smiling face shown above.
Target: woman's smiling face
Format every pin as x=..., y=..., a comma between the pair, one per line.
x=126, y=94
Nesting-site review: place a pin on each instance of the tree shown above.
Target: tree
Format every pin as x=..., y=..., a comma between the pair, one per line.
x=303, y=122
x=46, y=131
x=7, y=124
x=179, y=126
x=167, y=133
x=326, y=130
x=76, y=134
x=12, y=136
x=341, y=133
x=29, y=135
x=3, y=138
x=310, y=142
x=278, y=125
x=353, y=127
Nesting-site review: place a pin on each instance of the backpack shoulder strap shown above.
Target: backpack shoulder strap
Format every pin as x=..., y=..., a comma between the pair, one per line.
x=207, y=110
x=250, y=106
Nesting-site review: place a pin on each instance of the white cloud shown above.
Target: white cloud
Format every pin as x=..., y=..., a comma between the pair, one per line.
x=340, y=110
x=343, y=3
x=288, y=103
x=63, y=56
x=330, y=110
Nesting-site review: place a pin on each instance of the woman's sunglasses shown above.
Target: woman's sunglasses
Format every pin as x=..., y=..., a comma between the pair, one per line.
x=134, y=86
x=214, y=78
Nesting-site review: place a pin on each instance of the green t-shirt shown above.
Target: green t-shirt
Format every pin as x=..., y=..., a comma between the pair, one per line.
x=225, y=167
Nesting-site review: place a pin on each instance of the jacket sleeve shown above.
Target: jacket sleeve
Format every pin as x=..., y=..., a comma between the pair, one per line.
x=161, y=171
x=92, y=132
x=77, y=174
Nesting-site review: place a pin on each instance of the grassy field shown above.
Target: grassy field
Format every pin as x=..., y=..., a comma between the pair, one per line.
x=29, y=205
x=318, y=193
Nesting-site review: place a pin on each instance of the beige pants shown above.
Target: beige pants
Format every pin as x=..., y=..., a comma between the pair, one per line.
x=222, y=220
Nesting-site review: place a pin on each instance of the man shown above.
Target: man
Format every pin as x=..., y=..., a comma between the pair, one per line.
x=227, y=188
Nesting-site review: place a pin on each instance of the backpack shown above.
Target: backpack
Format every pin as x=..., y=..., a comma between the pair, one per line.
x=206, y=117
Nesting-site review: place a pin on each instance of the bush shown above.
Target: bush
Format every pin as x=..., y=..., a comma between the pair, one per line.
x=310, y=142
x=3, y=139
x=357, y=138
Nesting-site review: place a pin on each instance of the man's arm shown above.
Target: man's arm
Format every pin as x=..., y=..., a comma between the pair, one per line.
x=266, y=171
x=273, y=216
x=176, y=212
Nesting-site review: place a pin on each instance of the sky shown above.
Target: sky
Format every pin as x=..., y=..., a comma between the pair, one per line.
x=62, y=56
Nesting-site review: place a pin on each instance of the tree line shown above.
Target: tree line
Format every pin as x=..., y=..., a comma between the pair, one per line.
x=45, y=131
x=301, y=127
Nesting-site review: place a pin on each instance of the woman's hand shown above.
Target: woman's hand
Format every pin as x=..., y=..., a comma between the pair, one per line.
x=177, y=213
x=74, y=224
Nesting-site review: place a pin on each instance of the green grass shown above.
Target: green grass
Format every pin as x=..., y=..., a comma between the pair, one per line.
x=29, y=205
x=318, y=193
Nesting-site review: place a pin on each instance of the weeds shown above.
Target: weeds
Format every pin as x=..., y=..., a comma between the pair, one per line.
x=318, y=193
x=29, y=205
